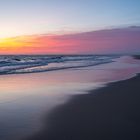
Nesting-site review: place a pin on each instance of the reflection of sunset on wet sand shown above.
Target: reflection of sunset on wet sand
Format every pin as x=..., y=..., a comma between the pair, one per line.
x=41, y=92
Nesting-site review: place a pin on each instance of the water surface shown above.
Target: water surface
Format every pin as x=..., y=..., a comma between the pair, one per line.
x=26, y=98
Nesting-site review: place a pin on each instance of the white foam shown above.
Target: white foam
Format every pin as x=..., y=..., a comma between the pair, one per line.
x=29, y=64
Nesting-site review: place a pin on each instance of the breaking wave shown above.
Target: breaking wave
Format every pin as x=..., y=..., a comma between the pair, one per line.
x=17, y=64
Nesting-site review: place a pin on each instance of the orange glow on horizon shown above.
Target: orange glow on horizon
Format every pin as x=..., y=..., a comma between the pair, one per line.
x=35, y=44
x=103, y=41
x=15, y=44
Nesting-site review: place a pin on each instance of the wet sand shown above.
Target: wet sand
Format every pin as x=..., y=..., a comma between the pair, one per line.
x=67, y=105
x=108, y=113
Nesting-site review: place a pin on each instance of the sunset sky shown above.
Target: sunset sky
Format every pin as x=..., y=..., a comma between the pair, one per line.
x=69, y=26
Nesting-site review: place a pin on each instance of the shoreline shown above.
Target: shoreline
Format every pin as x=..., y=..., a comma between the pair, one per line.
x=110, y=112
x=40, y=97
x=37, y=64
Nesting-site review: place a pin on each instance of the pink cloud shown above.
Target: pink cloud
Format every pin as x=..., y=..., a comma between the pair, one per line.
x=125, y=40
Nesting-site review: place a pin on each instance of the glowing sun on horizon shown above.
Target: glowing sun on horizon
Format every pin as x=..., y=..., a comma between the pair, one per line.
x=13, y=43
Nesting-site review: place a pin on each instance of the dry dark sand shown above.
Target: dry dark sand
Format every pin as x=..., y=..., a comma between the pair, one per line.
x=109, y=113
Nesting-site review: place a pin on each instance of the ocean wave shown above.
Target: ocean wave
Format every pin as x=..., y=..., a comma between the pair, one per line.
x=17, y=64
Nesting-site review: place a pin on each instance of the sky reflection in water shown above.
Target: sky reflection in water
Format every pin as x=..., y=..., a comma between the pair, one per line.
x=25, y=97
